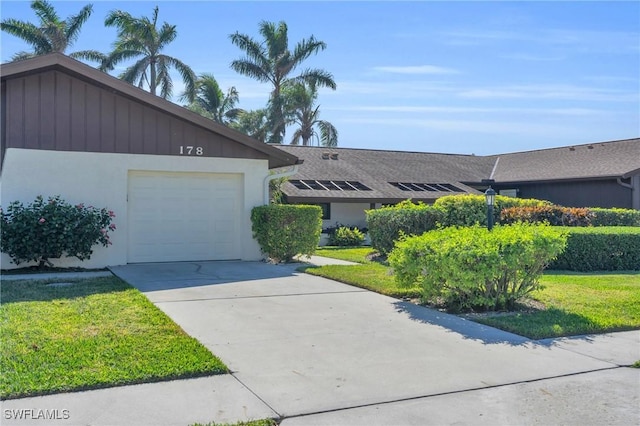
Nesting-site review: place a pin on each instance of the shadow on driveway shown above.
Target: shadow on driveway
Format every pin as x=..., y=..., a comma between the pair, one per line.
x=148, y=277
x=465, y=328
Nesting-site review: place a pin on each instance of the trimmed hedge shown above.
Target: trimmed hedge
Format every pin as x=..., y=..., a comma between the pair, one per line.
x=285, y=230
x=469, y=210
x=476, y=269
x=553, y=215
x=615, y=217
x=388, y=224
x=610, y=248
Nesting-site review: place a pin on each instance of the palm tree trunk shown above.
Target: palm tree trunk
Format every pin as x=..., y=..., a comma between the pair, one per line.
x=152, y=78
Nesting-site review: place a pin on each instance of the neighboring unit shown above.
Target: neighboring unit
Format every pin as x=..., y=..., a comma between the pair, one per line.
x=182, y=186
x=346, y=182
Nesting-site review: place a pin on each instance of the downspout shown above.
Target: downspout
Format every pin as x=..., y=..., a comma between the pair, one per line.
x=634, y=186
x=289, y=172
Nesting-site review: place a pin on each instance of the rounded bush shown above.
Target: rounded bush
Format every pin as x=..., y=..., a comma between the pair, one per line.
x=476, y=269
x=345, y=237
x=53, y=229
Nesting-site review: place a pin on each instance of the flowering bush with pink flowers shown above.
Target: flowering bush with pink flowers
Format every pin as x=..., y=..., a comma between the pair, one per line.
x=52, y=229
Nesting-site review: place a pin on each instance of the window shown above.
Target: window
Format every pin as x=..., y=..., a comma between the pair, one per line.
x=326, y=210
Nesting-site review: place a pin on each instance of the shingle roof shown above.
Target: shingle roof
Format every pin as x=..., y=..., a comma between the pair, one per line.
x=376, y=169
x=595, y=160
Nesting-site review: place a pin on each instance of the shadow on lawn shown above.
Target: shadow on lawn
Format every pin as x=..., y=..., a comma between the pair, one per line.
x=466, y=328
x=46, y=290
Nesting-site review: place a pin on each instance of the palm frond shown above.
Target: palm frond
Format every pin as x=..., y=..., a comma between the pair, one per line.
x=90, y=55
x=250, y=69
x=166, y=35
x=328, y=133
x=21, y=56
x=45, y=11
x=317, y=77
x=255, y=51
x=135, y=72
x=28, y=33
x=73, y=23
x=306, y=48
x=187, y=74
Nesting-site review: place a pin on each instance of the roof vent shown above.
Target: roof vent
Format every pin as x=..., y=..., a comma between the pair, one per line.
x=334, y=156
x=590, y=147
x=571, y=148
x=326, y=155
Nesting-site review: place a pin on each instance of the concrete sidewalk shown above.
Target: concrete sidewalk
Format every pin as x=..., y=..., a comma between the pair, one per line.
x=314, y=351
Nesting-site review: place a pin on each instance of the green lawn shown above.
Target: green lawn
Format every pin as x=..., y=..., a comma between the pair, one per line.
x=261, y=422
x=579, y=304
x=352, y=254
x=94, y=333
x=373, y=276
x=575, y=303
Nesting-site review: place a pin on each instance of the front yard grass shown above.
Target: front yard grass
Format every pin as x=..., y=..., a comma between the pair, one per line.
x=94, y=333
x=373, y=276
x=578, y=303
x=575, y=303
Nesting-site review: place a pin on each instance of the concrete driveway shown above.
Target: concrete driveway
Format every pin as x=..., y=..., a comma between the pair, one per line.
x=306, y=345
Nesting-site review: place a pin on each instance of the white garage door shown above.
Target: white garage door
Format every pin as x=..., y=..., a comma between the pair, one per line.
x=184, y=216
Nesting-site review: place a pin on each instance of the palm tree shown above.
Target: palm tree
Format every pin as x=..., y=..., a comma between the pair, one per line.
x=212, y=103
x=306, y=115
x=141, y=37
x=272, y=61
x=52, y=34
x=253, y=123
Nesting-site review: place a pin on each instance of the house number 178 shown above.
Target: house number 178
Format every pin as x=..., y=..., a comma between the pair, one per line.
x=191, y=150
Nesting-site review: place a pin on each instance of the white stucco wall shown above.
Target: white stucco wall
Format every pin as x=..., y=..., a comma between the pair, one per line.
x=347, y=214
x=100, y=179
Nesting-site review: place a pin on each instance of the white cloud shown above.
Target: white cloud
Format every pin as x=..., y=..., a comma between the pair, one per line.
x=470, y=110
x=566, y=92
x=419, y=69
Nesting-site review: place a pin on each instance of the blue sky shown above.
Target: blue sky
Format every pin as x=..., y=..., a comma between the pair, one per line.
x=455, y=77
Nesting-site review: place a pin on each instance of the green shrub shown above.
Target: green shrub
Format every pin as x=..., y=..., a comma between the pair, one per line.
x=469, y=210
x=387, y=224
x=615, y=217
x=552, y=214
x=615, y=248
x=345, y=237
x=475, y=269
x=53, y=229
x=285, y=230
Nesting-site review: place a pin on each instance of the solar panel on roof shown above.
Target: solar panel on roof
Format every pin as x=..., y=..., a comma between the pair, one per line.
x=329, y=185
x=420, y=187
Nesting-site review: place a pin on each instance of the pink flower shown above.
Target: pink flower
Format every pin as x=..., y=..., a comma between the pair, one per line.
x=104, y=231
x=111, y=213
x=42, y=220
x=80, y=206
x=112, y=227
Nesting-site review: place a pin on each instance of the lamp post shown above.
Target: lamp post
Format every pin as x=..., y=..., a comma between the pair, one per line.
x=490, y=196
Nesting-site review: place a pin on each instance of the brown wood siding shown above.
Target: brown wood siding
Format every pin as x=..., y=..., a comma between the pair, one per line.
x=597, y=193
x=56, y=111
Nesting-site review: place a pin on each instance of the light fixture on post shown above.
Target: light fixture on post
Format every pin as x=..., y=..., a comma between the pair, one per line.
x=490, y=196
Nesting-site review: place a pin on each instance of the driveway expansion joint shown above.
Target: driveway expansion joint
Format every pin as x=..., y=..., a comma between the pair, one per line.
x=432, y=395
x=280, y=416
x=261, y=296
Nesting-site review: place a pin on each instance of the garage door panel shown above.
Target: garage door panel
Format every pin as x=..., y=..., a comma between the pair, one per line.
x=184, y=216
